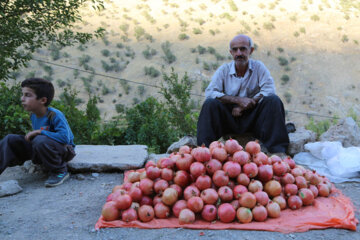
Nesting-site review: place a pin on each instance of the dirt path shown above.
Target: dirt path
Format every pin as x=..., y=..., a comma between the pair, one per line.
x=71, y=210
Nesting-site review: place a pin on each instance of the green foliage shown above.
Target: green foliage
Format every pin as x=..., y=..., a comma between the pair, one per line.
x=14, y=119
x=315, y=18
x=284, y=78
x=269, y=26
x=283, y=61
x=320, y=127
x=149, y=52
x=148, y=123
x=176, y=93
x=151, y=71
x=183, y=36
x=139, y=32
x=344, y=38
x=287, y=96
x=197, y=31
x=233, y=6
x=125, y=85
x=169, y=56
x=105, y=52
x=26, y=26
x=201, y=49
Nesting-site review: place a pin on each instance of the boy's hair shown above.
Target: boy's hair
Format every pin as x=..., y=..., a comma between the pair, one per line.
x=41, y=87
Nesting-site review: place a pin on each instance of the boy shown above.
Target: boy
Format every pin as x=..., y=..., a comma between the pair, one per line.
x=51, y=141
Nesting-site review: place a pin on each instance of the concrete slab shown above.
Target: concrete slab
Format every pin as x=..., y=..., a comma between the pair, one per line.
x=104, y=158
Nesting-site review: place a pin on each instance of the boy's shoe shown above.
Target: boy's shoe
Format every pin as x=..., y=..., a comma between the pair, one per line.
x=56, y=179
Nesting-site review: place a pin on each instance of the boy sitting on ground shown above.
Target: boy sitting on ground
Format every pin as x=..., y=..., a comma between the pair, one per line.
x=51, y=143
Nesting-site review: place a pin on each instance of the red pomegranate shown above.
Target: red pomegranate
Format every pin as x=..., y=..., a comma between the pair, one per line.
x=135, y=194
x=167, y=174
x=220, y=178
x=184, y=162
x=209, y=213
x=232, y=146
x=273, y=188
x=109, y=211
x=301, y=182
x=241, y=157
x=244, y=215
x=186, y=216
x=195, y=204
x=290, y=189
x=250, y=169
x=146, y=213
x=185, y=149
x=219, y=153
x=290, y=162
x=265, y=173
x=161, y=210
x=280, y=168
x=146, y=186
x=212, y=166
x=287, y=178
x=123, y=201
x=182, y=178
x=247, y=199
x=225, y=193
x=191, y=191
x=153, y=172
x=255, y=185
x=262, y=197
x=281, y=201
x=160, y=185
x=273, y=209
x=294, y=202
x=233, y=169
x=203, y=182
x=226, y=213
x=197, y=169
x=307, y=196
x=209, y=196
x=260, y=158
x=259, y=213
x=238, y=190
x=243, y=179
x=201, y=154
x=169, y=196
x=129, y=215
x=178, y=206
x=252, y=147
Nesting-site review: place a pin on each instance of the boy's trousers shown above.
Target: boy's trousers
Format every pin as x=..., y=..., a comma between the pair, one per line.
x=15, y=150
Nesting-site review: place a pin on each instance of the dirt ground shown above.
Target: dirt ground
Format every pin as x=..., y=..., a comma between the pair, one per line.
x=71, y=210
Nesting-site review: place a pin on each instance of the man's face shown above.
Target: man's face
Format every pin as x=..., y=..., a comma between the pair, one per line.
x=240, y=50
x=29, y=101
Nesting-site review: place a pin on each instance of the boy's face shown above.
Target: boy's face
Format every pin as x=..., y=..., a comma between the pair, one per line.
x=29, y=101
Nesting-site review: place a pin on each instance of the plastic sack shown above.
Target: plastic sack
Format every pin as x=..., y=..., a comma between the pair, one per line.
x=331, y=160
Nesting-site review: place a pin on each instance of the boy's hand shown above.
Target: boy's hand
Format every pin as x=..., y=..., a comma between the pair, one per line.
x=29, y=136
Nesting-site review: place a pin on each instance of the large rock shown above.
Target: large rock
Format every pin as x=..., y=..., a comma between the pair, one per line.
x=298, y=139
x=346, y=131
x=187, y=140
x=10, y=187
x=103, y=158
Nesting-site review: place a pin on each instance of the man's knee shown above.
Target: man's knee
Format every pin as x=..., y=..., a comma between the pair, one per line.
x=274, y=99
x=211, y=102
x=39, y=141
x=13, y=138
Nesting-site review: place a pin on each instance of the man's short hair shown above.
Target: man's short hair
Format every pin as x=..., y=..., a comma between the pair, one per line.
x=41, y=87
x=251, y=43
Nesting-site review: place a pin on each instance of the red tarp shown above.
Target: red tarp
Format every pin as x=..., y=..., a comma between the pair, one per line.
x=335, y=211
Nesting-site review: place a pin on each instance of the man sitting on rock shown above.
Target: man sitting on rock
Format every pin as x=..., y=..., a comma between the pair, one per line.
x=241, y=98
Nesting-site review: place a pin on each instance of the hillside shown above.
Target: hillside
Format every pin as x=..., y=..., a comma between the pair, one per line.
x=311, y=48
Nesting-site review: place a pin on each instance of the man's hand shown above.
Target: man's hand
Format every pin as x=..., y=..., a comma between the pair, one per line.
x=30, y=135
x=246, y=103
x=237, y=111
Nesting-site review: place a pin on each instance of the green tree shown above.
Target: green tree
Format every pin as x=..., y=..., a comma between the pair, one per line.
x=26, y=25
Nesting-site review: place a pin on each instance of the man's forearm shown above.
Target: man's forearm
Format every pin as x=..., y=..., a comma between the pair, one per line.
x=229, y=99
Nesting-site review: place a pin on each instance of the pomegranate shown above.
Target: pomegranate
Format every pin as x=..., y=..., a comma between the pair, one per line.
x=150, y=163
x=186, y=216
x=287, y=178
x=160, y=185
x=157, y=199
x=244, y=215
x=273, y=209
x=296, y=171
x=243, y=179
x=314, y=190
x=219, y=153
x=247, y=199
x=280, y=168
x=182, y=178
x=133, y=177
x=126, y=186
x=161, y=210
x=225, y=193
x=226, y=213
x=250, y=169
x=135, y=194
x=290, y=162
x=178, y=206
x=195, y=204
x=215, y=144
x=184, y=162
x=209, y=213
x=261, y=159
x=253, y=147
x=233, y=169
x=323, y=190
x=110, y=211
x=235, y=203
x=232, y=146
x=220, y=178
x=281, y=201
x=275, y=158
x=259, y=213
x=262, y=197
x=241, y=157
x=265, y=173
x=209, y=196
x=184, y=149
x=294, y=202
x=201, y=154
x=290, y=189
x=301, y=182
x=169, y=196
x=146, y=213
x=167, y=174
x=273, y=188
x=212, y=166
x=146, y=200
x=307, y=196
x=255, y=185
x=167, y=163
x=238, y=190
x=123, y=201
x=129, y=215
x=197, y=169
x=203, y=182
x=143, y=175
x=178, y=189
x=191, y=191
x=153, y=172
x=146, y=186
x=316, y=179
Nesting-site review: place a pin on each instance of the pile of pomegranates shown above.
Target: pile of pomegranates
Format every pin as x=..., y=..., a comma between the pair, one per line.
x=223, y=182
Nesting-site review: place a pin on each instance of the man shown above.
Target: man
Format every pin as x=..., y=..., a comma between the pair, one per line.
x=241, y=98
